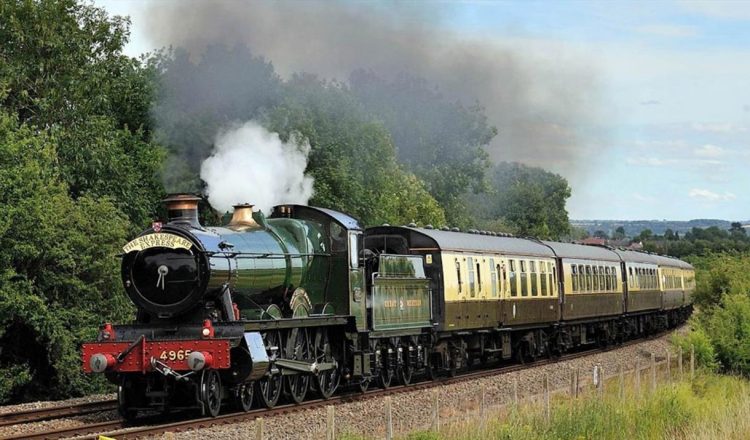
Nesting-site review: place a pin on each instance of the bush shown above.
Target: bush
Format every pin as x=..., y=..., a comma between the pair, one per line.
x=728, y=327
x=705, y=356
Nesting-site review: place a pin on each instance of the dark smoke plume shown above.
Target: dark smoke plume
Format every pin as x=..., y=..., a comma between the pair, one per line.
x=541, y=101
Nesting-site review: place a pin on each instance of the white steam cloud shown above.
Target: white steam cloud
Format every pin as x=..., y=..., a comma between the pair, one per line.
x=249, y=164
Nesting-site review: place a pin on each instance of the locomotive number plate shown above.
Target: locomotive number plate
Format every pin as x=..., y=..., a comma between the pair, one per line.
x=159, y=239
x=174, y=355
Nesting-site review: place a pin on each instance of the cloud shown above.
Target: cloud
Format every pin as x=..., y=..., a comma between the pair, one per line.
x=722, y=128
x=710, y=151
x=643, y=199
x=710, y=196
x=732, y=10
x=649, y=161
x=650, y=102
x=668, y=30
x=668, y=145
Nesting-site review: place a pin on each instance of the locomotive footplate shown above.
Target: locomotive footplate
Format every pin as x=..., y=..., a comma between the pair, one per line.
x=136, y=356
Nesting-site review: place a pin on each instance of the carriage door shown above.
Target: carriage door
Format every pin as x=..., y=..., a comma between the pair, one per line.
x=357, y=297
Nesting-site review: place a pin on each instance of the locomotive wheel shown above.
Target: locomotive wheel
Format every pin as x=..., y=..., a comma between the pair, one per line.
x=298, y=348
x=326, y=381
x=244, y=396
x=211, y=392
x=124, y=400
x=268, y=389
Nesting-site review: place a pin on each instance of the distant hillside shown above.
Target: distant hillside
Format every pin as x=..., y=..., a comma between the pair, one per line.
x=634, y=227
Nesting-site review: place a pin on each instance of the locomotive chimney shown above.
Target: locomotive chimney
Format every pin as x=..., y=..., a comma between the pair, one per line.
x=182, y=209
x=242, y=218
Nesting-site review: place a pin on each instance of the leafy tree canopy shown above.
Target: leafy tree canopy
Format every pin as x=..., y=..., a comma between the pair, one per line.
x=63, y=71
x=443, y=142
x=530, y=200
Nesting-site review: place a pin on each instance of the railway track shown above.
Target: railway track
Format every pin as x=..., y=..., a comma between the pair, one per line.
x=154, y=425
x=38, y=415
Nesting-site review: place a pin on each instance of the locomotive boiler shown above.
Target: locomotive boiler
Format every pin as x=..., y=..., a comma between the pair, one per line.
x=251, y=269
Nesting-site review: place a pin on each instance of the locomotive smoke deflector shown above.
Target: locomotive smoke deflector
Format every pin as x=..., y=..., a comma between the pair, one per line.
x=182, y=209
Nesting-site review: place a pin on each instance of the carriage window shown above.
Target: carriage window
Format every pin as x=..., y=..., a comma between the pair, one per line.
x=589, y=281
x=493, y=276
x=503, y=279
x=615, y=280
x=524, y=280
x=596, y=277
x=550, y=276
x=533, y=274
x=543, y=278
x=479, y=278
x=630, y=277
x=608, y=280
x=513, y=279
x=602, y=284
x=574, y=276
x=458, y=275
x=472, y=287
x=554, y=280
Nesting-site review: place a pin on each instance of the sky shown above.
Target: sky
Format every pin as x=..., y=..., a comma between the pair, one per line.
x=669, y=137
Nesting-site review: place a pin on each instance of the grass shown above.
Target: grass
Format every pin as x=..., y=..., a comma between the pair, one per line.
x=710, y=406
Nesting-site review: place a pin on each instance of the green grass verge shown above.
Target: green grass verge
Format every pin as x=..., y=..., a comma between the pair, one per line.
x=709, y=407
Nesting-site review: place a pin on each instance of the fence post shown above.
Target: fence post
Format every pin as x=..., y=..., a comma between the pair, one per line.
x=482, y=411
x=388, y=419
x=572, y=383
x=637, y=376
x=599, y=380
x=515, y=391
x=669, y=366
x=435, y=412
x=679, y=362
x=330, y=426
x=259, y=428
x=578, y=385
x=692, y=361
x=622, y=382
x=546, y=398
x=653, y=372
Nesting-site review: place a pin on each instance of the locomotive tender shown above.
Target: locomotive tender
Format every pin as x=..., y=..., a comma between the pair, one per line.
x=307, y=299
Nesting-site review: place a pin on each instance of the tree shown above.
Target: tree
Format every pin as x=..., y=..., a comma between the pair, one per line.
x=59, y=278
x=64, y=72
x=619, y=233
x=530, y=199
x=601, y=234
x=197, y=98
x=645, y=234
x=78, y=175
x=442, y=142
x=352, y=158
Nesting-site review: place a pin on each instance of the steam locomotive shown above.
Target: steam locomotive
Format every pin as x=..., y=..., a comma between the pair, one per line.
x=306, y=300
